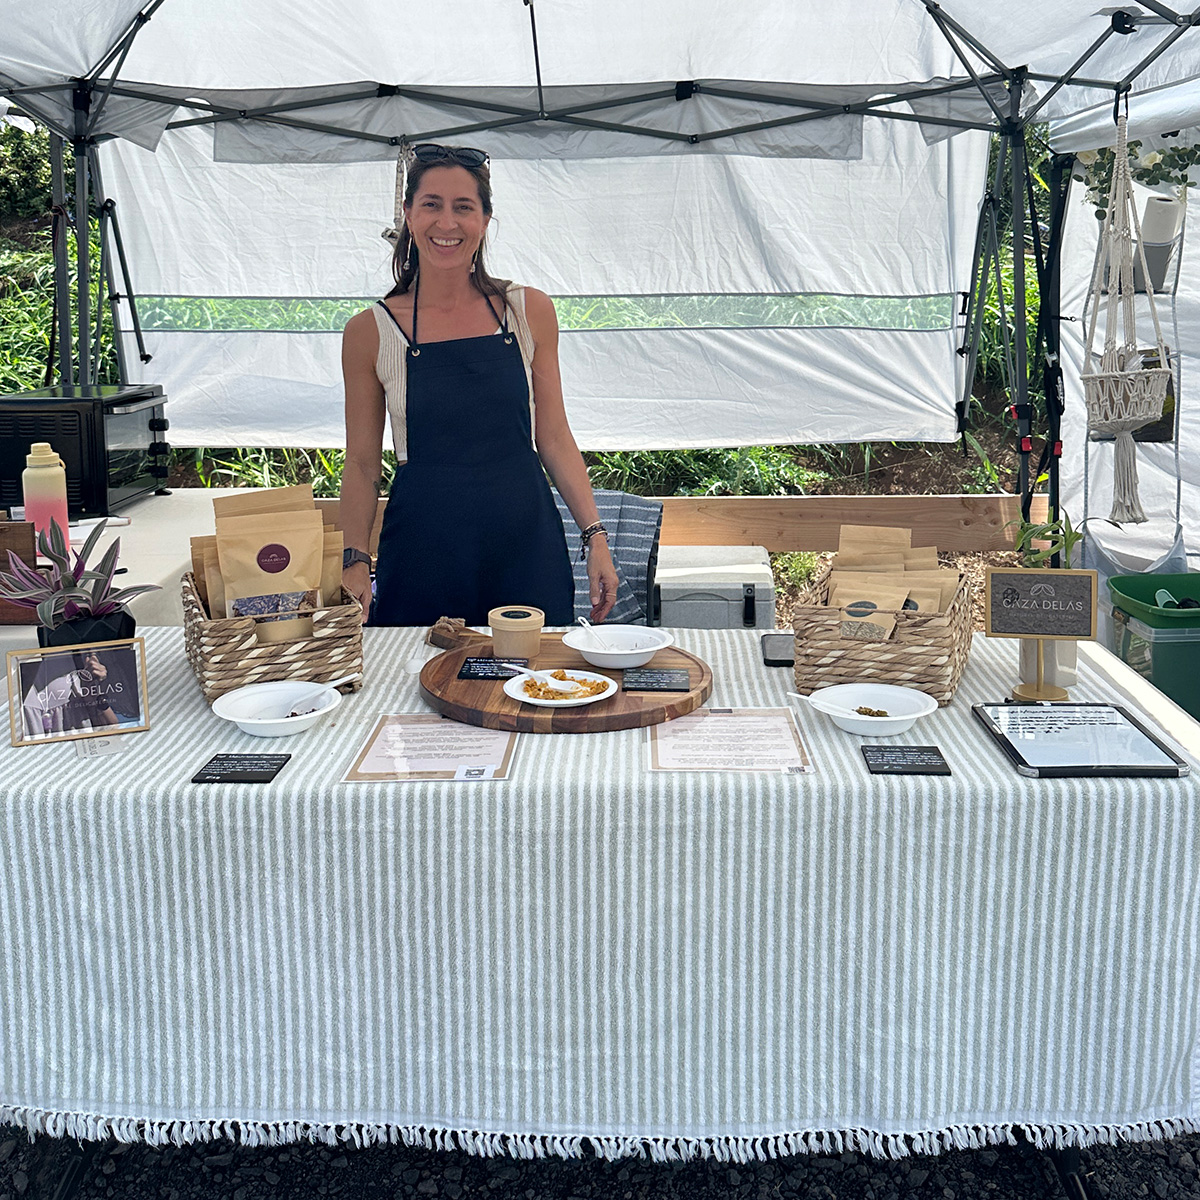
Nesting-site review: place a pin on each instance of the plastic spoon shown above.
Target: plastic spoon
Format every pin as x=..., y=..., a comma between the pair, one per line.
x=567, y=686
x=597, y=640
x=834, y=710
x=318, y=688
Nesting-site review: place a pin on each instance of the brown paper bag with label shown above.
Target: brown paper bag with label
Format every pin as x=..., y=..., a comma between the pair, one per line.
x=265, y=500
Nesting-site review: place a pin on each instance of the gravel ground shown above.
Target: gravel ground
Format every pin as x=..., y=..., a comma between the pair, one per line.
x=43, y=1168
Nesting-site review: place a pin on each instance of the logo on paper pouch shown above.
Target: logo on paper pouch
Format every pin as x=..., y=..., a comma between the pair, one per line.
x=273, y=558
x=861, y=608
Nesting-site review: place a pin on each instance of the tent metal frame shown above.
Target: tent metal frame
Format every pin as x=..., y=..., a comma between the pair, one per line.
x=986, y=75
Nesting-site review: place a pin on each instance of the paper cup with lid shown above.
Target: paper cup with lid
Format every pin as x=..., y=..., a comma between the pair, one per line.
x=516, y=630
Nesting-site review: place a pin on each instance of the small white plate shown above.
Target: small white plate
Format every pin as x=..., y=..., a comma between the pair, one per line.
x=515, y=687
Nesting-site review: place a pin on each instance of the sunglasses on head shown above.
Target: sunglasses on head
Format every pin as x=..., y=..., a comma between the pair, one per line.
x=463, y=156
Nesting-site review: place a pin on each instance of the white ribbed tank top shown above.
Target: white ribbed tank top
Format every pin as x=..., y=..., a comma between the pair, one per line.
x=391, y=365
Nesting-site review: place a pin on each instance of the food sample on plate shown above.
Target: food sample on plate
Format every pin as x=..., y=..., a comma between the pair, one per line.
x=864, y=711
x=541, y=691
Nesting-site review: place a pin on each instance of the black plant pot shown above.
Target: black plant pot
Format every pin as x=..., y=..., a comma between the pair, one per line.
x=113, y=627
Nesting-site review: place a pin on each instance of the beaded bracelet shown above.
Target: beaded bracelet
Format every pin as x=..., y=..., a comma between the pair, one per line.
x=586, y=535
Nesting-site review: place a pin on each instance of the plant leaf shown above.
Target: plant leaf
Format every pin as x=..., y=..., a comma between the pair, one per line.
x=81, y=556
x=121, y=598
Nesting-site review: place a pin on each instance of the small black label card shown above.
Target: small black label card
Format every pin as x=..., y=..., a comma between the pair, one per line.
x=489, y=668
x=241, y=768
x=905, y=760
x=647, y=679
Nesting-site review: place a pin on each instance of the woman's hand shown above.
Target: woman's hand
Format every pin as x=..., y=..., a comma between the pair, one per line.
x=602, y=578
x=356, y=579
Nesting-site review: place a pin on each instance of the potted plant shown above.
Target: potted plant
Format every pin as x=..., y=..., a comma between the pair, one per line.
x=75, y=603
x=1038, y=544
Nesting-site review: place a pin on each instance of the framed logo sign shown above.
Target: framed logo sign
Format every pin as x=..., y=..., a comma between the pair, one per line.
x=60, y=693
x=1049, y=604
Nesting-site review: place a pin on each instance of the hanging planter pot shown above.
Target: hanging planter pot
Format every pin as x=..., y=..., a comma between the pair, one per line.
x=1122, y=395
x=112, y=627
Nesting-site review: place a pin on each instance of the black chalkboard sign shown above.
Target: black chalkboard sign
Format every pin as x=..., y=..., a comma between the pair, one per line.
x=1056, y=605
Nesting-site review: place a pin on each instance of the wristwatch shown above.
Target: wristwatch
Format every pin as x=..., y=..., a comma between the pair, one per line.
x=350, y=556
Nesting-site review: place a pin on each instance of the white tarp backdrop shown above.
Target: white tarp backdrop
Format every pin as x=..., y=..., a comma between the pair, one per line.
x=789, y=283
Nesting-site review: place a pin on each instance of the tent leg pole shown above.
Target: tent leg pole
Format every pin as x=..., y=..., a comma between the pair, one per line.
x=110, y=233
x=83, y=274
x=1020, y=321
x=62, y=267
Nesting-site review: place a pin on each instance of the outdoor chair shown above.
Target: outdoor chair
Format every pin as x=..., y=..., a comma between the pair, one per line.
x=633, y=524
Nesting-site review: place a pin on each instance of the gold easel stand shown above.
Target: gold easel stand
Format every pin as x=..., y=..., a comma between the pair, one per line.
x=1039, y=690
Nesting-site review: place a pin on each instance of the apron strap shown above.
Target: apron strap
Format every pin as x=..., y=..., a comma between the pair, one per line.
x=395, y=322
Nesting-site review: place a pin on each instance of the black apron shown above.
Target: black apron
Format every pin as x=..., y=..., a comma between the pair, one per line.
x=470, y=523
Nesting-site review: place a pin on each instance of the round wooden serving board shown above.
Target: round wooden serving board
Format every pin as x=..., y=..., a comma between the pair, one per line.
x=483, y=702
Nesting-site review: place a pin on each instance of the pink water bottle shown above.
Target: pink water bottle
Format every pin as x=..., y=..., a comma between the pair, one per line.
x=44, y=483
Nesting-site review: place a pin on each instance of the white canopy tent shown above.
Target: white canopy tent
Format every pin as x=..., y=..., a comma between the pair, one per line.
x=756, y=229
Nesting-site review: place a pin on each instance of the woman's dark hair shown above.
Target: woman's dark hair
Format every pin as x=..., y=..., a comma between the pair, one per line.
x=483, y=282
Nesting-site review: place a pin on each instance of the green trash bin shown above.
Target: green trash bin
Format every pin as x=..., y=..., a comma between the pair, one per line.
x=1161, y=644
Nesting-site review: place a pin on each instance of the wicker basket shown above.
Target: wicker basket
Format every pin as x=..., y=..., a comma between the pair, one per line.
x=927, y=651
x=227, y=654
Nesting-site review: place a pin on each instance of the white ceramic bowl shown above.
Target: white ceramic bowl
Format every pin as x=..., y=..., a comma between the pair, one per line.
x=261, y=709
x=630, y=645
x=904, y=706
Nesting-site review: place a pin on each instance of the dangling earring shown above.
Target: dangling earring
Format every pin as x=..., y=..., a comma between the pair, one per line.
x=474, y=260
x=408, y=252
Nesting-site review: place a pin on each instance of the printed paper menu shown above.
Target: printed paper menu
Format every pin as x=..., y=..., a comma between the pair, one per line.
x=730, y=739
x=410, y=746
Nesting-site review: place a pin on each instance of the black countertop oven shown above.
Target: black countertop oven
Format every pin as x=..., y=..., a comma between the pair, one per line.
x=112, y=440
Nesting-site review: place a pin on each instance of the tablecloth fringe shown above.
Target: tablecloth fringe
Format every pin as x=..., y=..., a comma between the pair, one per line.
x=89, y=1127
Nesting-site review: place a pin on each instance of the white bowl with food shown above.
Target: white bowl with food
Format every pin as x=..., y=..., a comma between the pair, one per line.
x=531, y=691
x=277, y=709
x=879, y=709
x=618, y=646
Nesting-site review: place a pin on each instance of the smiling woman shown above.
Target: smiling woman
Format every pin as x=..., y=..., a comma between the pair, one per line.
x=466, y=368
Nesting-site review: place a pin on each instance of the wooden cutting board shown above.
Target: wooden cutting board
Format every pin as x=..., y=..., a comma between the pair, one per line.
x=483, y=702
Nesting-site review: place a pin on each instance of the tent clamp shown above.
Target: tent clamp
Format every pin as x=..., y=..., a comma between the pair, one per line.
x=685, y=89
x=386, y=89
x=1123, y=22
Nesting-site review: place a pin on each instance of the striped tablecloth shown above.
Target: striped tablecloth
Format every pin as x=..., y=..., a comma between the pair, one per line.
x=588, y=956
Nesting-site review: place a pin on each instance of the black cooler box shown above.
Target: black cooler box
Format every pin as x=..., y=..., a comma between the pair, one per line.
x=112, y=440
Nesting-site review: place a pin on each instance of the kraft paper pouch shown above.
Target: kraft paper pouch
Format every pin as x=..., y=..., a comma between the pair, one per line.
x=331, y=566
x=876, y=561
x=870, y=615
x=296, y=496
x=924, y=600
x=847, y=588
x=873, y=539
x=946, y=582
x=214, y=583
x=272, y=571
x=921, y=558
x=198, y=545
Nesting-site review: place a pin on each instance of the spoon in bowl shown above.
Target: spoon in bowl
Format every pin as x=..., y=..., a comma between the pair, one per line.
x=834, y=710
x=318, y=688
x=597, y=641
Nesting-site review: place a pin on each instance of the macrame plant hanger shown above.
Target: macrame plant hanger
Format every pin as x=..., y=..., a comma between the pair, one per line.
x=1121, y=394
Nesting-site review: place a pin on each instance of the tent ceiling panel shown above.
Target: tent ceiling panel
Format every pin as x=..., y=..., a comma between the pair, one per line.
x=276, y=44
x=61, y=38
